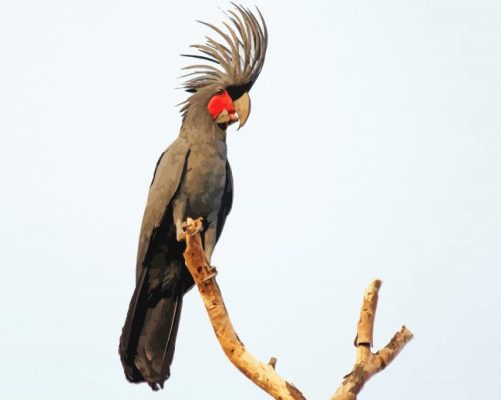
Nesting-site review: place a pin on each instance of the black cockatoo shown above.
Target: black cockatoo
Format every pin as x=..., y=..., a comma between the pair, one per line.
x=192, y=179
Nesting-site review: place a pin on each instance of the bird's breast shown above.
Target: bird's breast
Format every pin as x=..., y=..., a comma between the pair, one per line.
x=204, y=181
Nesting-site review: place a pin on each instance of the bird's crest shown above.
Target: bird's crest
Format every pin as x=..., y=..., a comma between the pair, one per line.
x=238, y=58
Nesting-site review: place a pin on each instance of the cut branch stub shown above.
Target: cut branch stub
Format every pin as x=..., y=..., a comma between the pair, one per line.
x=365, y=328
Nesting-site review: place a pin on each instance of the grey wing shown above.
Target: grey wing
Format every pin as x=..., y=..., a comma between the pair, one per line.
x=168, y=174
x=226, y=201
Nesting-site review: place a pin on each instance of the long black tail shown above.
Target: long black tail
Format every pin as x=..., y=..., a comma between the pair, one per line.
x=149, y=334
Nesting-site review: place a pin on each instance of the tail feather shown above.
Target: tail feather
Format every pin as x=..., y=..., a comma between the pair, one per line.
x=131, y=331
x=156, y=346
x=149, y=335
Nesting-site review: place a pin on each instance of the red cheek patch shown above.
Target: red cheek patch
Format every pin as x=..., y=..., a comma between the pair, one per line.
x=219, y=103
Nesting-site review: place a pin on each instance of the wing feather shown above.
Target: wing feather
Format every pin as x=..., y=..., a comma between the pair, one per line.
x=168, y=174
x=226, y=202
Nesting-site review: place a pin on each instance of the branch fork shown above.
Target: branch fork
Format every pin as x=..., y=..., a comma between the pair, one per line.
x=367, y=364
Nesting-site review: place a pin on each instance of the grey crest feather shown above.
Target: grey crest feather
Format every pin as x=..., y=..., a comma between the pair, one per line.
x=238, y=60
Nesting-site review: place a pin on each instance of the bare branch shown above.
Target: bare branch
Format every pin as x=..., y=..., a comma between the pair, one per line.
x=263, y=375
x=368, y=364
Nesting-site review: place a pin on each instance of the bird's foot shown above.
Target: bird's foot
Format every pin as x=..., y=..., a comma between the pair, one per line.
x=211, y=273
x=190, y=227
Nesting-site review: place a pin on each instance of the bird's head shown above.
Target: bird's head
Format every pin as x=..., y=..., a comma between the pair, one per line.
x=221, y=90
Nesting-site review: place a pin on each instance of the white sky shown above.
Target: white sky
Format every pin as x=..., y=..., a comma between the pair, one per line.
x=373, y=150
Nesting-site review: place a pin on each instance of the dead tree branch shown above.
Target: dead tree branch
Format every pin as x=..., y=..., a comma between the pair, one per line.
x=367, y=364
x=264, y=375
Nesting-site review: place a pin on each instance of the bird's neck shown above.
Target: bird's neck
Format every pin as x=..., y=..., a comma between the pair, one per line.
x=198, y=127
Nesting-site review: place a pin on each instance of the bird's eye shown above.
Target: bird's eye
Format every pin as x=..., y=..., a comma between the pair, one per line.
x=219, y=91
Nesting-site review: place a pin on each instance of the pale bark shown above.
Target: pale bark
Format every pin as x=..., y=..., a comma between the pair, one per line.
x=264, y=375
x=367, y=364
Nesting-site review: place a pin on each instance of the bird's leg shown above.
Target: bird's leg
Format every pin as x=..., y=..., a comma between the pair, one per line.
x=209, y=242
x=178, y=211
x=210, y=236
x=180, y=232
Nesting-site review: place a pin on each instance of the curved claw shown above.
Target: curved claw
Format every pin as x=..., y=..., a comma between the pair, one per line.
x=212, y=273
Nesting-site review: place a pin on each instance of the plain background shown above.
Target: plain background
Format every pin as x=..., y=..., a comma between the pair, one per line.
x=373, y=150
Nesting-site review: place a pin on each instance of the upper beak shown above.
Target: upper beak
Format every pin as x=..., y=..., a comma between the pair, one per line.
x=243, y=107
